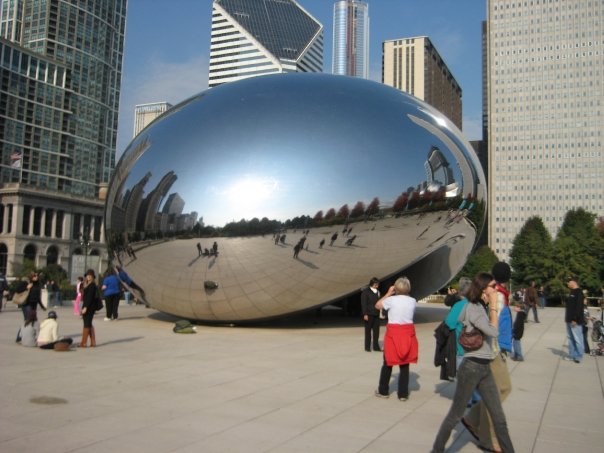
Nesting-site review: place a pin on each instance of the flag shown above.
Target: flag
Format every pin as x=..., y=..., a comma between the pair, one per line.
x=15, y=159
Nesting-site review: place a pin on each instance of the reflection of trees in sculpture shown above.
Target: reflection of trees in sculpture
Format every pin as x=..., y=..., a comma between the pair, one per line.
x=330, y=214
x=343, y=212
x=358, y=210
x=318, y=216
x=373, y=208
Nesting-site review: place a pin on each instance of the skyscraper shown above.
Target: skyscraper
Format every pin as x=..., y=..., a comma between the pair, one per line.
x=258, y=37
x=144, y=114
x=413, y=65
x=545, y=83
x=61, y=63
x=351, y=38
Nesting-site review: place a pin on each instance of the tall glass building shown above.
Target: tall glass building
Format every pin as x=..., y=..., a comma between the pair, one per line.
x=351, y=38
x=258, y=37
x=60, y=75
x=546, y=118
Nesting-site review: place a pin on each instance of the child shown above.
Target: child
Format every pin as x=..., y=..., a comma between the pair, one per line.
x=518, y=331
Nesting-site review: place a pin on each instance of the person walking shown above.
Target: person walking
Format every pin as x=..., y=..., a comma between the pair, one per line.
x=111, y=293
x=574, y=319
x=34, y=298
x=400, y=342
x=371, y=315
x=477, y=421
x=89, y=305
x=475, y=371
x=531, y=299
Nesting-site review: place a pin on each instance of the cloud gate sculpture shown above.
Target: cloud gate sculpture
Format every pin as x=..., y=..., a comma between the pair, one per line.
x=278, y=194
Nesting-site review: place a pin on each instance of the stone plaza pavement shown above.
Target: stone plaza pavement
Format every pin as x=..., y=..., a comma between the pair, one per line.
x=303, y=384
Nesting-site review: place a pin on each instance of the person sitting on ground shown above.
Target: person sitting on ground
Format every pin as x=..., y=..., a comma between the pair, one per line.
x=49, y=333
x=28, y=332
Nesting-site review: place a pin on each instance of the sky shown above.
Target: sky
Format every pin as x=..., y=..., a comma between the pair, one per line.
x=167, y=48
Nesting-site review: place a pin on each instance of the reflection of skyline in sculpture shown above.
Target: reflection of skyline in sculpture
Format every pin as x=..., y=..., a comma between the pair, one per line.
x=439, y=174
x=304, y=144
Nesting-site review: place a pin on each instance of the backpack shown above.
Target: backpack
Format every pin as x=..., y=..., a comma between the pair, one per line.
x=98, y=300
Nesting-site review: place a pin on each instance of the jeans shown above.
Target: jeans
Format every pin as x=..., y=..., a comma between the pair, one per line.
x=471, y=375
x=575, y=341
x=535, y=316
x=517, y=345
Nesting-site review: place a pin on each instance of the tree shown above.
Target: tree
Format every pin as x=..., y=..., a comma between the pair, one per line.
x=330, y=214
x=579, y=249
x=318, y=216
x=344, y=212
x=400, y=202
x=481, y=260
x=358, y=210
x=374, y=207
x=531, y=256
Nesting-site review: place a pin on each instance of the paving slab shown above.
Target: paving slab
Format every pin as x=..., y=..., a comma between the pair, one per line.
x=295, y=385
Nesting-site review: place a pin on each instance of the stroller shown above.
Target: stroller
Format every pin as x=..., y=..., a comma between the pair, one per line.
x=597, y=336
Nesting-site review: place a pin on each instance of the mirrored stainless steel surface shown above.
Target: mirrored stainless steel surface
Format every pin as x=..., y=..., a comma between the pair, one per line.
x=265, y=162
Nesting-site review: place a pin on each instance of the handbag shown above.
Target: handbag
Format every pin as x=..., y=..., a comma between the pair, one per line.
x=20, y=298
x=472, y=340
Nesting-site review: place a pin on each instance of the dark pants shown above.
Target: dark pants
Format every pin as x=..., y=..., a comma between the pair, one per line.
x=473, y=375
x=52, y=345
x=585, y=342
x=403, y=380
x=372, y=325
x=111, y=304
x=87, y=318
x=535, y=316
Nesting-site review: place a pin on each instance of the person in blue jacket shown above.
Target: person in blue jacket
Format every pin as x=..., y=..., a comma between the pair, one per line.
x=111, y=293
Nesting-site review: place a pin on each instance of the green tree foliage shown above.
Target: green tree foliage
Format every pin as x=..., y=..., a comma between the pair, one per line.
x=481, y=260
x=532, y=256
x=579, y=249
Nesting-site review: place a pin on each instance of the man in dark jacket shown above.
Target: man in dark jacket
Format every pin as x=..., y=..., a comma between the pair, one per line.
x=371, y=315
x=531, y=298
x=574, y=321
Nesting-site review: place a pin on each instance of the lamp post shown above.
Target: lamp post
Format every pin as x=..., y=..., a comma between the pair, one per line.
x=85, y=242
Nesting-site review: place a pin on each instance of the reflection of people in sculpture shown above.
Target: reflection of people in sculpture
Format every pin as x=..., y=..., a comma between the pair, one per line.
x=349, y=230
x=199, y=249
x=282, y=239
x=349, y=241
x=371, y=315
x=322, y=243
x=400, y=342
x=127, y=280
x=215, y=248
x=333, y=238
x=297, y=248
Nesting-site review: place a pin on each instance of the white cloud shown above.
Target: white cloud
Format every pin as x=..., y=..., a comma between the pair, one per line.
x=160, y=81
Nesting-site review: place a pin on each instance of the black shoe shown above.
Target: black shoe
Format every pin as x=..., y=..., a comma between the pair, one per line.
x=377, y=349
x=367, y=349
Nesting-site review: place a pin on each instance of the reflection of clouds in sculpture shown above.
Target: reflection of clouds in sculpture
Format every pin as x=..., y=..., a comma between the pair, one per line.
x=268, y=154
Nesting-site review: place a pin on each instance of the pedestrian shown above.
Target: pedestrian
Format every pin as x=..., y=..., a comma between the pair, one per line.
x=574, y=319
x=333, y=238
x=78, y=299
x=297, y=249
x=541, y=294
x=518, y=332
x=531, y=299
x=477, y=421
x=322, y=243
x=215, y=248
x=198, y=249
x=371, y=315
x=3, y=289
x=475, y=371
x=400, y=342
x=34, y=298
x=111, y=293
x=89, y=305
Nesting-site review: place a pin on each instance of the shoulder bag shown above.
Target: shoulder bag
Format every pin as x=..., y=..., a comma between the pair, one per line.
x=470, y=340
x=20, y=298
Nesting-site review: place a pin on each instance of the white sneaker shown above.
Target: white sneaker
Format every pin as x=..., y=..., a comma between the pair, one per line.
x=107, y=319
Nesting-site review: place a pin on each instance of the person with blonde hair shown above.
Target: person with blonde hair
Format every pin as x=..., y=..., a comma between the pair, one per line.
x=400, y=342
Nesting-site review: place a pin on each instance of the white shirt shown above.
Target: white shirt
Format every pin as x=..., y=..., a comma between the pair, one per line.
x=48, y=332
x=400, y=309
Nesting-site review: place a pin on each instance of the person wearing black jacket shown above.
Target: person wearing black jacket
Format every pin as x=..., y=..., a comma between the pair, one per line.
x=574, y=319
x=34, y=298
x=89, y=306
x=371, y=315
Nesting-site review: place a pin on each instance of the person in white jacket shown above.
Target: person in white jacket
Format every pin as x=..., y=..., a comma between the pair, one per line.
x=48, y=336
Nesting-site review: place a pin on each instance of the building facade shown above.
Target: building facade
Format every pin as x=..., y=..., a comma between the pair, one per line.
x=351, y=38
x=144, y=114
x=546, y=96
x=413, y=65
x=60, y=84
x=258, y=37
